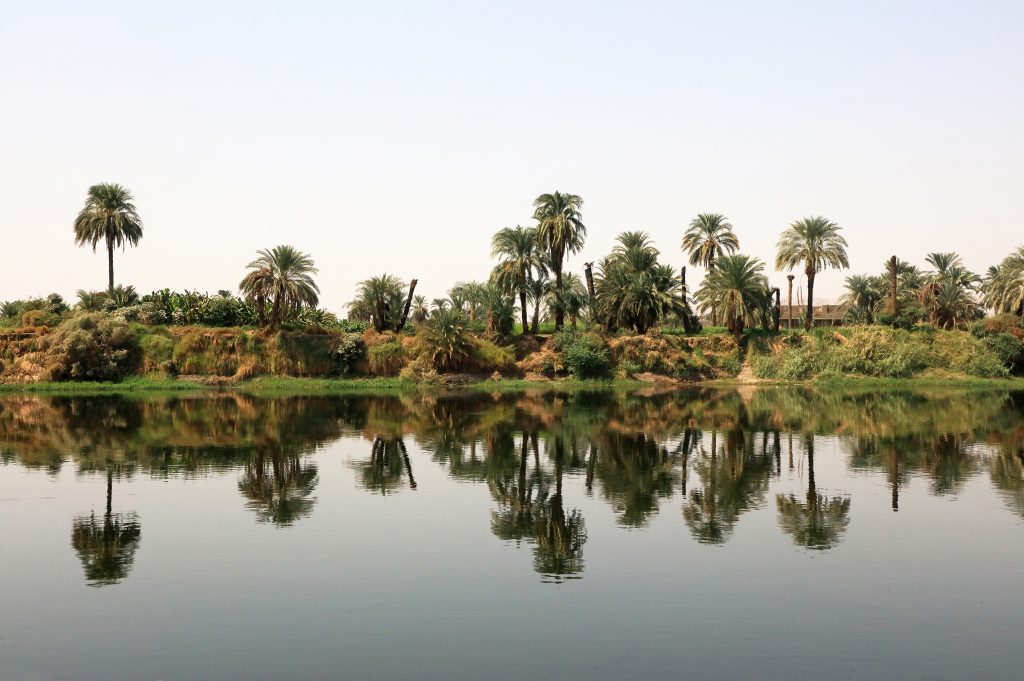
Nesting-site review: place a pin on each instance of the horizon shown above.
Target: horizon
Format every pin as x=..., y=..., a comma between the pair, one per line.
x=400, y=139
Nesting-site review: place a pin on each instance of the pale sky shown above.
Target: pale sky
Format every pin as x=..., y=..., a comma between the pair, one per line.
x=399, y=136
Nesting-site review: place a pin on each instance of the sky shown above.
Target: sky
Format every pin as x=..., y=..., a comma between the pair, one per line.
x=399, y=136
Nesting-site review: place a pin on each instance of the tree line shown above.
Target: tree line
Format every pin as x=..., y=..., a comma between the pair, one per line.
x=629, y=289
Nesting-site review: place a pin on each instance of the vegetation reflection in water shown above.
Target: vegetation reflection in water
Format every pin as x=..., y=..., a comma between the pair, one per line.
x=717, y=450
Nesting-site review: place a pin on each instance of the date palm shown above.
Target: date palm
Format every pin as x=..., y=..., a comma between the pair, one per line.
x=560, y=231
x=816, y=244
x=380, y=298
x=516, y=248
x=738, y=289
x=1003, y=289
x=110, y=216
x=708, y=238
x=283, y=278
x=862, y=294
x=633, y=289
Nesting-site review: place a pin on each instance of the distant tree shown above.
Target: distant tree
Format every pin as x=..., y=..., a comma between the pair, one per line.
x=814, y=243
x=738, y=289
x=381, y=299
x=708, y=238
x=560, y=231
x=109, y=215
x=283, y=278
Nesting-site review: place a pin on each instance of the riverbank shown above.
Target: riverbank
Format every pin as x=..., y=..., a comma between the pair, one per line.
x=273, y=385
x=98, y=353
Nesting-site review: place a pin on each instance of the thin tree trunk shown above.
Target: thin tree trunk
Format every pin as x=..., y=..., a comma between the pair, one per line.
x=809, y=322
x=522, y=307
x=110, y=267
x=559, y=312
x=893, y=286
x=789, y=308
x=408, y=304
x=536, y=316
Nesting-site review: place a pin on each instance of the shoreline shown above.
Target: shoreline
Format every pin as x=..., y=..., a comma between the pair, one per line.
x=327, y=386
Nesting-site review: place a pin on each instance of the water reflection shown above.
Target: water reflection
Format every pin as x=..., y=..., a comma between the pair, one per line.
x=106, y=547
x=718, y=454
x=819, y=521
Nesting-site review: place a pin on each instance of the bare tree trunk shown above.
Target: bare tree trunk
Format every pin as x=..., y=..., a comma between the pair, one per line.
x=408, y=304
x=536, y=316
x=588, y=272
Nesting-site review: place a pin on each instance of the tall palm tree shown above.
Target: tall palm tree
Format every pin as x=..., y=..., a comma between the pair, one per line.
x=420, y=309
x=708, y=238
x=282, y=277
x=738, y=289
x=516, y=247
x=109, y=215
x=815, y=243
x=560, y=231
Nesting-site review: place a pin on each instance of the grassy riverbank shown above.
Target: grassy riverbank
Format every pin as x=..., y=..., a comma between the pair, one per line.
x=284, y=385
x=97, y=353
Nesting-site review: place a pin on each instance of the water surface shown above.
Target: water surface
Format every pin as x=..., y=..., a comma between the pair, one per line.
x=706, y=534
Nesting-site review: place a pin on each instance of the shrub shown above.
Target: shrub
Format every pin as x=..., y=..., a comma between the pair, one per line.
x=1009, y=349
x=39, y=318
x=445, y=339
x=93, y=347
x=349, y=352
x=586, y=355
x=157, y=353
x=386, y=359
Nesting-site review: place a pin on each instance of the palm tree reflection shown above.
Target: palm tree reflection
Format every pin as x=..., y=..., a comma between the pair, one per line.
x=818, y=522
x=106, y=548
x=279, y=487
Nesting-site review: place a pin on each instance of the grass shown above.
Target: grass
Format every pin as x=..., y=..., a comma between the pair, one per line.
x=128, y=385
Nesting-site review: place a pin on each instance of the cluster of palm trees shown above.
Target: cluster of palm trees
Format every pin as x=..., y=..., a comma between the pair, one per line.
x=947, y=296
x=629, y=289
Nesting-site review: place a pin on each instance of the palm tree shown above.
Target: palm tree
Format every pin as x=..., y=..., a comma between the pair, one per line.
x=862, y=294
x=708, y=238
x=109, y=215
x=633, y=289
x=420, y=310
x=380, y=298
x=816, y=244
x=282, y=277
x=1003, y=289
x=560, y=231
x=538, y=289
x=516, y=247
x=738, y=289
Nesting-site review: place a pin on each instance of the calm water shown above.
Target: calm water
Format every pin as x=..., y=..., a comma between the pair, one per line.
x=754, y=534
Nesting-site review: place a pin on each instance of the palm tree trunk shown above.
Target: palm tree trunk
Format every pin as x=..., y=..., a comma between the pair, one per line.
x=275, y=312
x=809, y=322
x=110, y=267
x=522, y=308
x=536, y=316
x=110, y=491
x=408, y=304
x=559, y=312
x=894, y=306
x=789, y=308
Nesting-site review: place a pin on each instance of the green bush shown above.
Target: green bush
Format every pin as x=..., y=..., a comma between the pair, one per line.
x=386, y=359
x=157, y=353
x=586, y=355
x=1009, y=349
